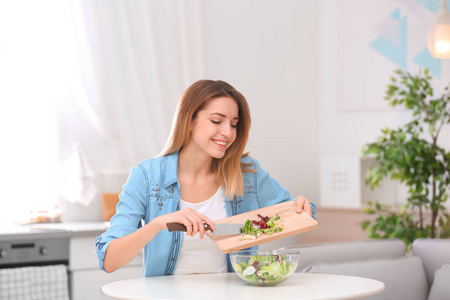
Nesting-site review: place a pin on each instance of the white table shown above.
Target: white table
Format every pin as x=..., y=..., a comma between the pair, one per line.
x=226, y=286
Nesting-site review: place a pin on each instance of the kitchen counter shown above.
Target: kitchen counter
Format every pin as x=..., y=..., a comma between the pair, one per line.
x=52, y=230
x=76, y=228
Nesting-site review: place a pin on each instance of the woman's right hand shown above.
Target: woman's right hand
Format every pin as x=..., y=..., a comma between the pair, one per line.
x=190, y=218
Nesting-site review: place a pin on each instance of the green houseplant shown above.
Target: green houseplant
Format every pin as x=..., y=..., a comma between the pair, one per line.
x=412, y=155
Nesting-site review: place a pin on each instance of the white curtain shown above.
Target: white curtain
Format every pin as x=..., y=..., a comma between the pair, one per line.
x=33, y=69
x=135, y=59
x=141, y=55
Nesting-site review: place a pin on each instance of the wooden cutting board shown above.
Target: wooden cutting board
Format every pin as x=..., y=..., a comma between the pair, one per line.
x=293, y=224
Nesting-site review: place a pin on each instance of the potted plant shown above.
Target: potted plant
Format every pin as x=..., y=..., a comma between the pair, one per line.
x=412, y=155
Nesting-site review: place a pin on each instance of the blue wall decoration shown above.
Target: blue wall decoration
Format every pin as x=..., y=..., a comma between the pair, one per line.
x=388, y=46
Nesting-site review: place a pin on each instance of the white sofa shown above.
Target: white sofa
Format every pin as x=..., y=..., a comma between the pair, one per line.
x=420, y=275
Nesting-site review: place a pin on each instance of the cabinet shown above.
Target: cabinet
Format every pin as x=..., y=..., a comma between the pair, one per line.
x=86, y=279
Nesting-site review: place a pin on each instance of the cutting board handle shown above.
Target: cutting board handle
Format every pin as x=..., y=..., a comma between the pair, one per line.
x=180, y=227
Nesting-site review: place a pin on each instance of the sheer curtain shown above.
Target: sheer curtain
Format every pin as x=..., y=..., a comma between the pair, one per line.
x=33, y=68
x=97, y=81
x=135, y=60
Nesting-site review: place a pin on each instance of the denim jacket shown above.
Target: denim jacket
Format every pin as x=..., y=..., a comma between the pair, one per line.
x=152, y=189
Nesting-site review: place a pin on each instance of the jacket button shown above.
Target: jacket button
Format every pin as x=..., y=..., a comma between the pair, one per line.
x=176, y=240
x=172, y=259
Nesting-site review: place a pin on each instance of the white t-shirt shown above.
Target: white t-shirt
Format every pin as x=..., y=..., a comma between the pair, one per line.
x=202, y=255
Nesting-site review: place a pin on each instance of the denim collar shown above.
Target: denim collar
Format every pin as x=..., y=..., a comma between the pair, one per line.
x=170, y=170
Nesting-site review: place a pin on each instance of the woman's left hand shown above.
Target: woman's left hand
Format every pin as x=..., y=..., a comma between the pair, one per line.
x=303, y=204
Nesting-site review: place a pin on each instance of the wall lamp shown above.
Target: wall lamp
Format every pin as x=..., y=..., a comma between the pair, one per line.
x=439, y=34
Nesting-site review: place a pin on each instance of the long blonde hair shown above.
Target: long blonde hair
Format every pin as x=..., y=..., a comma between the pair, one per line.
x=229, y=168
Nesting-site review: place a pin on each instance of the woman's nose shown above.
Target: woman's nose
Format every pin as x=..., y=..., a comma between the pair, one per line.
x=227, y=130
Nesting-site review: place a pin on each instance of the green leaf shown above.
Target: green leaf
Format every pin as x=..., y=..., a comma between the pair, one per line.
x=432, y=128
x=369, y=211
x=365, y=224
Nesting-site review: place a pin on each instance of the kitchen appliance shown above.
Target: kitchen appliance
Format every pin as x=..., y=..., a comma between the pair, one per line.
x=33, y=260
x=30, y=246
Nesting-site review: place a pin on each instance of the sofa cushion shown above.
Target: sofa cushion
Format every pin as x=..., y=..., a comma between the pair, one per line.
x=404, y=277
x=440, y=290
x=348, y=251
x=433, y=253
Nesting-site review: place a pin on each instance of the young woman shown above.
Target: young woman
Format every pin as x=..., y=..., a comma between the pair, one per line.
x=202, y=175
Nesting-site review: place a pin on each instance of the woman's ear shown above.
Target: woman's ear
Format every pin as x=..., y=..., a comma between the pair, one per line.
x=192, y=124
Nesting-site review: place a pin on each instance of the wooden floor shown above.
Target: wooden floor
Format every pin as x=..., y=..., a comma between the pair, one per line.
x=334, y=225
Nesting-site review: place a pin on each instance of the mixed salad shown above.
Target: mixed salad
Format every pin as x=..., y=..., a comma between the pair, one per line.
x=264, y=269
x=265, y=225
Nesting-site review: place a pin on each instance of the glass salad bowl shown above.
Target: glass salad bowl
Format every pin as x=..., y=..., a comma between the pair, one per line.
x=264, y=267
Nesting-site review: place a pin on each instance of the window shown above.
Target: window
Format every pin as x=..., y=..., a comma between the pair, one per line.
x=33, y=51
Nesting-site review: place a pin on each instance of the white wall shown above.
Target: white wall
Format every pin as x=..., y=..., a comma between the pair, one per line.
x=269, y=52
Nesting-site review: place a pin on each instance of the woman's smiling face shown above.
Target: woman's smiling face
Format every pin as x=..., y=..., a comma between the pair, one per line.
x=214, y=128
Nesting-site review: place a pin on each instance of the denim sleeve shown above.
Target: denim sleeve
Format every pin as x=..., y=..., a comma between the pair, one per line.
x=269, y=191
x=313, y=208
x=129, y=212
